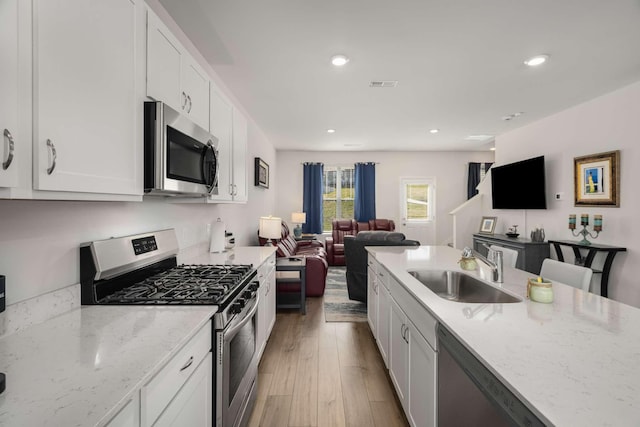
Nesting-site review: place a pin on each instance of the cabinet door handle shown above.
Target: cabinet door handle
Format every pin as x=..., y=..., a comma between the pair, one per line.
x=235, y=190
x=7, y=163
x=231, y=189
x=184, y=100
x=190, y=104
x=186, y=365
x=54, y=157
x=405, y=329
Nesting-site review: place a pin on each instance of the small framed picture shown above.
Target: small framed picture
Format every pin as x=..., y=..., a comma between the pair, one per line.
x=488, y=224
x=261, y=173
x=597, y=179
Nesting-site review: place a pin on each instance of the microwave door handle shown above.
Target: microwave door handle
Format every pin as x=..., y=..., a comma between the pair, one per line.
x=205, y=170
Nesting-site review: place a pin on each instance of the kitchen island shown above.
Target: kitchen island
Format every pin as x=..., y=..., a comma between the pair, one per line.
x=572, y=362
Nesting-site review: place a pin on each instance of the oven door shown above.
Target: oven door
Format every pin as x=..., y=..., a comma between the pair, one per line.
x=180, y=157
x=236, y=367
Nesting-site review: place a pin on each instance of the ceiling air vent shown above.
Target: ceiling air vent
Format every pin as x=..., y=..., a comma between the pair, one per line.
x=383, y=83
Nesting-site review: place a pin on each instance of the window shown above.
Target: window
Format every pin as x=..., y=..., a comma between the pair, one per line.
x=418, y=200
x=338, y=192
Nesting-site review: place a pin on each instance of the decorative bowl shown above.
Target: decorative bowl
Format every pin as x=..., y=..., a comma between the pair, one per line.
x=513, y=235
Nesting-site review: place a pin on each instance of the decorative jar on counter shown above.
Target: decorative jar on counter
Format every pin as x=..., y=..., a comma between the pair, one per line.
x=469, y=263
x=540, y=290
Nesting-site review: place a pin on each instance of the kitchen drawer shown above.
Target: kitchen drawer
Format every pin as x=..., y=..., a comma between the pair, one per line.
x=266, y=267
x=423, y=320
x=383, y=276
x=157, y=394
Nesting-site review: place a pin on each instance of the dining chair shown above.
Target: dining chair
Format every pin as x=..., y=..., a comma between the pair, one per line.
x=569, y=274
x=509, y=256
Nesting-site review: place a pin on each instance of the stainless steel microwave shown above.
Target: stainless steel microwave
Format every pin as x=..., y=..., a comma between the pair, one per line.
x=180, y=157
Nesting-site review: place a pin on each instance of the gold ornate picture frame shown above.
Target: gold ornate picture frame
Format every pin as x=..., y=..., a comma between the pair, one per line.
x=597, y=179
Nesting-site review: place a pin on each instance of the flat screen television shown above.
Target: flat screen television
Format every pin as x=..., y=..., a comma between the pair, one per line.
x=519, y=185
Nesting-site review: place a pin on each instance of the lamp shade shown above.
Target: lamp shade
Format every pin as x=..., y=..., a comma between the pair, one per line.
x=270, y=227
x=298, y=217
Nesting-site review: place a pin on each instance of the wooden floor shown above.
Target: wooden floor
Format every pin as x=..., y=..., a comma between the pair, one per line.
x=315, y=373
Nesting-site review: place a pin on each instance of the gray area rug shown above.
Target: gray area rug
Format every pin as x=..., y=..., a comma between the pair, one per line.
x=337, y=305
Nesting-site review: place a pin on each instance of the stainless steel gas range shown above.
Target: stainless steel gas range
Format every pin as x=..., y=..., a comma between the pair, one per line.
x=143, y=269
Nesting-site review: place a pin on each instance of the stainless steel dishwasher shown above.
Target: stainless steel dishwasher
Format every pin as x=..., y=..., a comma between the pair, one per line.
x=470, y=395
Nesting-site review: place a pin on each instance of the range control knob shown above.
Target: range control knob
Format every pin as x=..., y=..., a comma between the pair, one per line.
x=248, y=294
x=254, y=286
x=236, y=307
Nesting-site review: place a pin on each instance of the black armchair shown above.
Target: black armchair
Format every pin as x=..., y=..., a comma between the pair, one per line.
x=356, y=257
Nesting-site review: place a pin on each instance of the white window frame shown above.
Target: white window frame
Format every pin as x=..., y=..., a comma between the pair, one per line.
x=431, y=199
x=337, y=199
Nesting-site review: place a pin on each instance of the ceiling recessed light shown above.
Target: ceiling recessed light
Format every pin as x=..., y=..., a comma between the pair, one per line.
x=331, y=131
x=339, y=60
x=492, y=148
x=534, y=61
x=434, y=130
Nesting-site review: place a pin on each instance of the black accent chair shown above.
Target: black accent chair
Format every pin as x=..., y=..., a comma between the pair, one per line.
x=356, y=257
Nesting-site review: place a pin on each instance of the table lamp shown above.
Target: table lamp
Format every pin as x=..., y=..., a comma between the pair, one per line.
x=298, y=218
x=270, y=228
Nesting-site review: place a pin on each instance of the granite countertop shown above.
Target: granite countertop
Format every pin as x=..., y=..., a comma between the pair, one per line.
x=81, y=368
x=255, y=255
x=573, y=362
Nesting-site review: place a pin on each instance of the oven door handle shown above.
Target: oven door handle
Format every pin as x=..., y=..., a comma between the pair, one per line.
x=229, y=334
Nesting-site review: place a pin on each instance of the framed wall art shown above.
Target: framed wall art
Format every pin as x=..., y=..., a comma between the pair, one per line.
x=261, y=173
x=488, y=224
x=597, y=179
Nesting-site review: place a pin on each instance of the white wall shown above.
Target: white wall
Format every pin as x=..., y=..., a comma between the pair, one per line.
x=39, y=240
x=610, y=122
x=449, y=169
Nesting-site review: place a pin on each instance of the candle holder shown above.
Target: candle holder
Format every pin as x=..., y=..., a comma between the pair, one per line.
x=584, y=233
x=584, y=222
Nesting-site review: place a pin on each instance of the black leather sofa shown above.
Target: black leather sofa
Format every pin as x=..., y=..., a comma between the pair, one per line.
x=356, y=257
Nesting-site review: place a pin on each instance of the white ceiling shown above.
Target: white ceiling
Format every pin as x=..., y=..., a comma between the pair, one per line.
x=459, y=64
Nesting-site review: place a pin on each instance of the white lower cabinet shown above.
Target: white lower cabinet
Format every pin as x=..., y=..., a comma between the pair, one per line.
x=185, y=382
x=129, y=416
x=192, y=406
x=372, y=302
x=384, y=313
x=422, y=368
x=412, y=369
x=398, y=351
x=409, y=351
x=267, y=303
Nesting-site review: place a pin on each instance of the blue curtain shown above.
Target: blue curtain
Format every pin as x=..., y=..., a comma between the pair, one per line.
x=312, y=197
x=474, y=177
x=365, y=197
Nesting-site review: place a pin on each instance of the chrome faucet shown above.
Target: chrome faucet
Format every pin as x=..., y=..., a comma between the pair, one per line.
x=494, y=260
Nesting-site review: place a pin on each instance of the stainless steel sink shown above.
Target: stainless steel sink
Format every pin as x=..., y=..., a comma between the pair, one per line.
x=460, y=287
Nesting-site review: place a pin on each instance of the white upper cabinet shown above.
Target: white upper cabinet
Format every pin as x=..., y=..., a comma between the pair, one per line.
x=230, y=127
x=86, y=108
x=173, y=76
x=9, y=90
x=221, y=128
x=240, y=184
